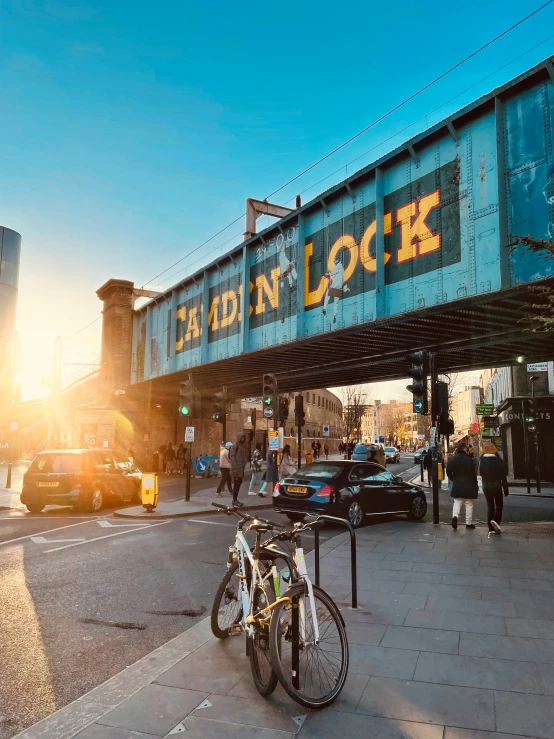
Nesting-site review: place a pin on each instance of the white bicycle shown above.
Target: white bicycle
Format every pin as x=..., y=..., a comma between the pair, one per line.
x=297, y=638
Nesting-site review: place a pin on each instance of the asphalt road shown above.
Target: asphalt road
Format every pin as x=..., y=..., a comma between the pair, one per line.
x=83, y=597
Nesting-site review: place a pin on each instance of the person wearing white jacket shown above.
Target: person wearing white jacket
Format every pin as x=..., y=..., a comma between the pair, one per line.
x=287, y=466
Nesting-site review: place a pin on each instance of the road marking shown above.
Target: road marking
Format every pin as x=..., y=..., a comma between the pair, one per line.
x=59, y=528
x=109, y=536
x=42, y=540
x=107, y=525
x=212, y=523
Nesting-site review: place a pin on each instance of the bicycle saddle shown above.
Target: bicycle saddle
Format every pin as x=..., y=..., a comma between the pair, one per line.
x=260, y=526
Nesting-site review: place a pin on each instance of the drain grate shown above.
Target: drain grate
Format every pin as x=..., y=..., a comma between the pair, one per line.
x=185, y=612
x=114, y=624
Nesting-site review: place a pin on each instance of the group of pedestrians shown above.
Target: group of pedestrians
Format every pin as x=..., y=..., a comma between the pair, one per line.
x=172, y=458
x=462, y=470
x=232, y=464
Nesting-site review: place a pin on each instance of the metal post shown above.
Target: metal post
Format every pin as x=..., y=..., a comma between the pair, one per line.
x=9, y=478
x=421, y=470
x=316, y=552
x=434, y=475
x=353, y=568
x=299, y=443
x=536, y=439
x=188, y=474
x=525, y=447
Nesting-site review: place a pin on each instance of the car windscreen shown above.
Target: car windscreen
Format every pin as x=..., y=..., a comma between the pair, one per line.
x=391, y=450
x=360, y=449
x=65, y=463
x=320, y=470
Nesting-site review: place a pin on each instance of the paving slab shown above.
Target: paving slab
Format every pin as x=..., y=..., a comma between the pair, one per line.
x=383, y=661
x=203, y=728
x=452, y=733
x=530, y=715
x=507, y=647
x=470, y=606
x=97, y=731
x=332, y=724
x=427, y=703
x=426, y=639
x=156, y=709
x=455, y=622
x=530, y=627
x=199, y=504
x=259, y=713
x=479, y=672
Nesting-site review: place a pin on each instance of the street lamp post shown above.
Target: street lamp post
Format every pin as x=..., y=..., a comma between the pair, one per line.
x=533, y=379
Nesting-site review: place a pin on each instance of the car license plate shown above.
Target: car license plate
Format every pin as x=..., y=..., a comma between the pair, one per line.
x=296, y=489
x=48, y=484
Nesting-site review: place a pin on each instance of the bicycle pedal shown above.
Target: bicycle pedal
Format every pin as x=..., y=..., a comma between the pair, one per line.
x=235, y=630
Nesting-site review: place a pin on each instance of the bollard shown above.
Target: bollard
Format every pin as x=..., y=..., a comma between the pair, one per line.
x=9, y=477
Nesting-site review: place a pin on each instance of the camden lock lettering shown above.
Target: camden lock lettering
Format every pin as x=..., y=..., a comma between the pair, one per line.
x=421, y=233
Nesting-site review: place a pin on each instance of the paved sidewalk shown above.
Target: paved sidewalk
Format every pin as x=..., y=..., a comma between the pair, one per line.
x=200, y=503
x=454, y=639
x=10, y=499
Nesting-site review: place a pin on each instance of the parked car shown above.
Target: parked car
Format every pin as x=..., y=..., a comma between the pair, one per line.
x=419, y=454
x=392, y=454
x=85, y=478
x=348, y=489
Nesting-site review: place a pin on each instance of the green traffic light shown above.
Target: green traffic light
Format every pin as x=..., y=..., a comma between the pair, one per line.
x=184, y=411
x=268, y=400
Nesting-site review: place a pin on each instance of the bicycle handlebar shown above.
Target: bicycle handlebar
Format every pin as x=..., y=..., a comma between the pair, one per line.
x=245, y=516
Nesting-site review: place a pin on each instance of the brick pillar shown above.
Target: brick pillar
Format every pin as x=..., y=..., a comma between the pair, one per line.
x=117, y=334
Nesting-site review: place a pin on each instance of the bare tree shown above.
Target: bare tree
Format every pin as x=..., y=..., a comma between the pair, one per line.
x=354, y=406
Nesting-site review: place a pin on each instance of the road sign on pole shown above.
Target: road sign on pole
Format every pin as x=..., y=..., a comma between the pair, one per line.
x=326, y=429
x=484, y=409
x=189, y=433
x=273, y=438
x=268, y=412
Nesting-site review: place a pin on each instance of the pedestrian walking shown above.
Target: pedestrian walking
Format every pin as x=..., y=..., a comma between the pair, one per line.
x=288, y=466
x=495, y=485
x=461, y=471
x=237, y=455
x=256, y=467
x=381, y=456
x=372, y=453
x=270, y=475
x=318, y=447
x=169, y=459
x=225, y=470
x=326, y=450
x=428, y=464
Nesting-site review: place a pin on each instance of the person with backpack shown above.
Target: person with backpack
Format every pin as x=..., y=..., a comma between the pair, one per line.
x=256, y=467
x=225, y=469
x=495, y=485
x=288, y=466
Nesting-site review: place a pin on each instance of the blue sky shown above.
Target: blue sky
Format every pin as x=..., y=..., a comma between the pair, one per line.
x=133, y=131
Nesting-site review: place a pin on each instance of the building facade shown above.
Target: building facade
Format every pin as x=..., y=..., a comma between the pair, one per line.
x=464, y=413
x=10, y=252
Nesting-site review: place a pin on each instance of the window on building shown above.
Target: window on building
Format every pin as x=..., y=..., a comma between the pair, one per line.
x=318, y=400
x=313, y=398
x=292, y=432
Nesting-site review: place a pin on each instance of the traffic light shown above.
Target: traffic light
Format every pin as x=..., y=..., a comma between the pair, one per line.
x=283, y=409
x=299, y=415
x=220, y=406
x=418, y=371
x=269, y=390
x=187, y=396
x=529, y=411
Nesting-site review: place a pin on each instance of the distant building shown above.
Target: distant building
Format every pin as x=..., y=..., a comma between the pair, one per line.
x=464, y=413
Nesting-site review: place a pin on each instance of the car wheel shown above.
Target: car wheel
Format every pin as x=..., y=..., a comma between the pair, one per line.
x=355, y=514
x=35, y=507
x=296, y=517
x=93, y=501
x=418, y=508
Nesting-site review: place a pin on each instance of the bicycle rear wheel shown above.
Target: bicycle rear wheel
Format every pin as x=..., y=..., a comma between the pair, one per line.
x=227, y=605
x=263, y=673
x=312, y=674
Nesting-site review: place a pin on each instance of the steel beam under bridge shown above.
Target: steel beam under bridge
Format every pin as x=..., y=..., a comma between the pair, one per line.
x=470, y=334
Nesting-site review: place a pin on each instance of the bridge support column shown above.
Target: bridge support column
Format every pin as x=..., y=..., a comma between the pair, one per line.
x=117, y=334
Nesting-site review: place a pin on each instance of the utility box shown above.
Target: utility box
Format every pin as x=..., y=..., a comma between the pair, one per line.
x=149, y=491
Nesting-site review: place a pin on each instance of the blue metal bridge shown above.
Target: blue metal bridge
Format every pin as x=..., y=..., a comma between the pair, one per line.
x=418, y=250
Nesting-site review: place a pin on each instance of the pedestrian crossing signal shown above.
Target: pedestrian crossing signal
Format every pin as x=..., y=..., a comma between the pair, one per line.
x=269, y=389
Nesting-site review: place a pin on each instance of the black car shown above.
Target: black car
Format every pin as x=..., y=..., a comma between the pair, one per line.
x=347, y=489
x=86, y=478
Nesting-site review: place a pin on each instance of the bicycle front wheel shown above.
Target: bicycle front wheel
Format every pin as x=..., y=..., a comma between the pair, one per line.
x=313, y=674
x=263, y=673
x=227, y=605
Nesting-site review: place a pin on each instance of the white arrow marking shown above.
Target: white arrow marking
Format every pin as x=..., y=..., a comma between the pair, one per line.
x=101, y=538
x=42, y=540
x=107, y=525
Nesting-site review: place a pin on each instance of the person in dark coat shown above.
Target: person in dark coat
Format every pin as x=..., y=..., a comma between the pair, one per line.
x=493, y=475
x=428, y=464
x=238, y=458
x=463, y=475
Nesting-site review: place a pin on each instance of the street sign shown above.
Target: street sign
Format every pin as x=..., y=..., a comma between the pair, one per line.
x=326, y=429
x=484, y=409
x=531, y=428
x=538, y=367
x=268, y=412
x=189, y=433
x=273, y=440
x=433, y=435
x=418, y=405
x=490, y=422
